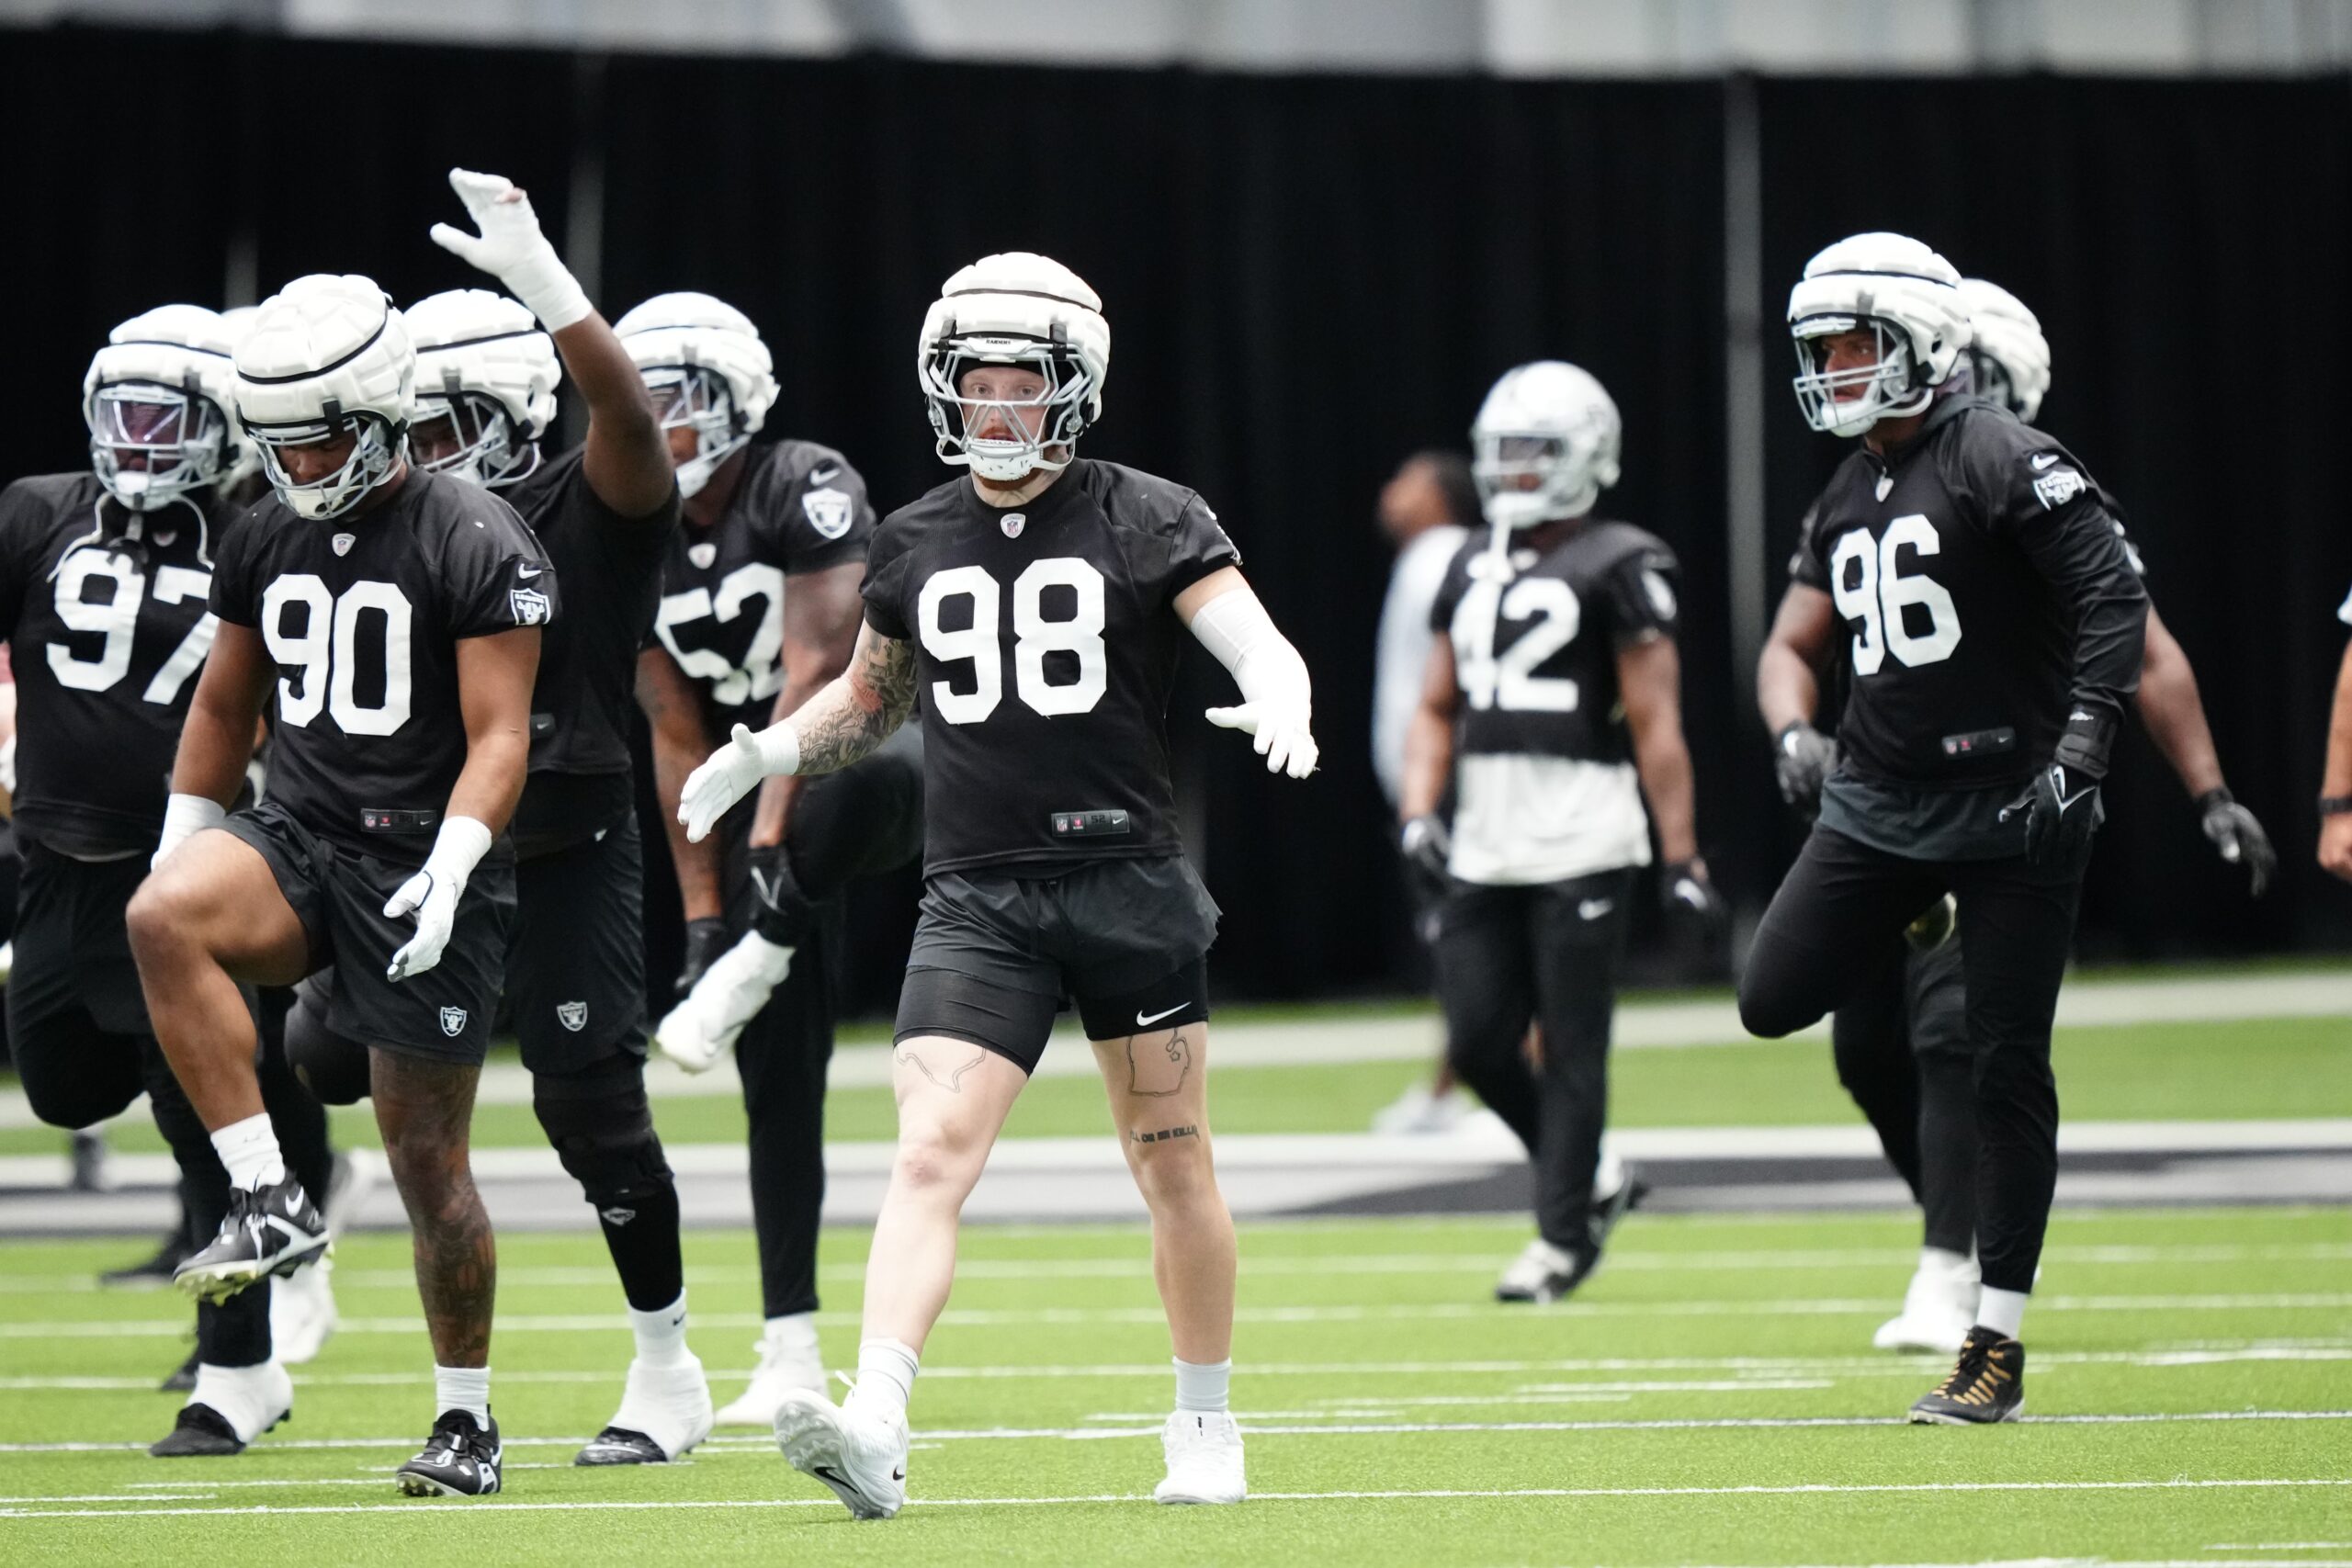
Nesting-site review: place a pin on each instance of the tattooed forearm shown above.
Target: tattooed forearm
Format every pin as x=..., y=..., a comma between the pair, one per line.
x=1164, y=1133
x=858, y=712
x=947, y=1077
x=1159, y=1064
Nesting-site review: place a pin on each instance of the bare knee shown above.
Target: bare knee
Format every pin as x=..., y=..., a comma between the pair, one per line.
x=1171, y=1161
x=933, y=1163
x=159, y=919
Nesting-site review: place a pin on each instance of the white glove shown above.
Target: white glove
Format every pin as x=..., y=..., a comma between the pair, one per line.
x=185, y=816
x=1277, y=698
x=432, y=893
x=702, y=1027
x=732, y=772
x=1281, y=731
x=511, y=249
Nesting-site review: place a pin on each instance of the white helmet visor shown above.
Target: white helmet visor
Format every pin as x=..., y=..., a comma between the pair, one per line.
x=151, y=444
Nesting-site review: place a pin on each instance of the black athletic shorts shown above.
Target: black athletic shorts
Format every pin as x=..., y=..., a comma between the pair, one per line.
x=72, y=949
x=995, y=957
x=575, y=973
x=339, y=896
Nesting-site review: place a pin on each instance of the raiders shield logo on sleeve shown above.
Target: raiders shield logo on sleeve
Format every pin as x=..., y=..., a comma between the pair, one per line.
x=829, y=511
x=529, y=605
x=572, y=1015
x=452, y=1021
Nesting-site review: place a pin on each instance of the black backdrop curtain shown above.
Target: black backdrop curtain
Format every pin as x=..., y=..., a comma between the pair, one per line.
x=1307, y=277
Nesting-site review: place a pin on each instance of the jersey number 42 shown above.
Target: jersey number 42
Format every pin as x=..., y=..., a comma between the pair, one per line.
x=1508, y=680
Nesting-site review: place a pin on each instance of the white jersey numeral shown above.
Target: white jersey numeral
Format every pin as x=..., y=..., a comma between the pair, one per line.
x=324, y=657
x=1035, y=637
x=1510, y=681
x=761, y=676
x=117, y=620
x=1881, y=592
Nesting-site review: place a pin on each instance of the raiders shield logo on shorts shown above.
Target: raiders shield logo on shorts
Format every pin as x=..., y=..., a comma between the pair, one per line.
x=452, y=1021
x=572, y=1015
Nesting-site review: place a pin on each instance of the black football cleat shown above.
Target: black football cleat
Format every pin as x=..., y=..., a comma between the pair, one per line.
x=1607, y=1212
x=201, y=1432
x=1987, y=1384
x=184, y=1380
x=618, y=1445
x=460, y=1460
x=273, y=1230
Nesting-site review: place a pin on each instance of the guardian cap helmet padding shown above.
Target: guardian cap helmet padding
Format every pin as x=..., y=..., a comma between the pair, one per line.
x=2008, y=355
x=160, y=402
x=327, y=356
x=1013, y=308
x=704, y=362
x=483, y=362
x=1905, y=294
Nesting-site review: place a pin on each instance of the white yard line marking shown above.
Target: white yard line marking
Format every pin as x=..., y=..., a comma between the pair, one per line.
x=1089, y=1434
x=475, y=1509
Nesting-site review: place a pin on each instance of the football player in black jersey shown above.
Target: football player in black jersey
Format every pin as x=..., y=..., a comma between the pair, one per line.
x=1039, y=606
x=575, y=971
x=1901, y=1046
x=399, y=614
x=103, y=581
x=1996, y=631
x=759, y=609
x=1553, y=701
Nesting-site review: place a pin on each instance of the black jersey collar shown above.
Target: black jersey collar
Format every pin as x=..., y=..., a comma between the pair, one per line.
x=1943, y=413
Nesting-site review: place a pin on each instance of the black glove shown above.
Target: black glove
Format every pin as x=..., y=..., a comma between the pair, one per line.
x=2060, y=807
x=705, y=940
x=1427, y=844
x=1691, y=900
x=1801, y=758
x=780, y=913
x=2233, y=831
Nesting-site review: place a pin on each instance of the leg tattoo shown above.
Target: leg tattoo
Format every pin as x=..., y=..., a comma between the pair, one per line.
x=1158, y=1065
x=1165, y=1134
x=953, y=1082
x=425, y=1110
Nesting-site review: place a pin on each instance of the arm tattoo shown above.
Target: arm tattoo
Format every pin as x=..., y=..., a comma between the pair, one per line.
x=1165, y=1134
x=954, y=1080
x=1158, y=1064
x=851, y=717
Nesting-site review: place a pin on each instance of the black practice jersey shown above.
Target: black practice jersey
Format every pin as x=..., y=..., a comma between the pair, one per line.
x=800, y=508
x=1987, y=593
x=1046, y=642
x=611, y=570
x=105, y=612
x=1536, y=637
x=362, y=616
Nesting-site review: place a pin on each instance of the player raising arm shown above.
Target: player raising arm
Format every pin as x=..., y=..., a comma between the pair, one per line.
x=1040, y=606
x=395, y=615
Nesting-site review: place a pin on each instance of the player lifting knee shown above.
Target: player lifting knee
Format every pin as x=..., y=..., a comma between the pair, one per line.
x=1039, y=605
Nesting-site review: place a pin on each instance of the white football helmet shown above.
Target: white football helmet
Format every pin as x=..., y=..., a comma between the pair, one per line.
x=325, y=357
x=704, y=362
x=483, y=364
x=1555, y=423
x=1013, y=308
x=1902, y=292
x=160, y=402
x=2008, y=355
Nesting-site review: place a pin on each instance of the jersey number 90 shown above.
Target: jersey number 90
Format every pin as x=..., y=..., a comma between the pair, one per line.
x=1034, y=637
x=322, y=660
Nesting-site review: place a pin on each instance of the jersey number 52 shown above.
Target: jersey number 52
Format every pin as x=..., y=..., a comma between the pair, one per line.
x=1880, y=594
x=1034, y=637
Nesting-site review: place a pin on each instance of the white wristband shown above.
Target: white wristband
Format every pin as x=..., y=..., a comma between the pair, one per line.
x=457, y=849
x=184, y=816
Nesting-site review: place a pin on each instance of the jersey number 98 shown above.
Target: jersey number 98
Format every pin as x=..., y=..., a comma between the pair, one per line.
x=1034, y=637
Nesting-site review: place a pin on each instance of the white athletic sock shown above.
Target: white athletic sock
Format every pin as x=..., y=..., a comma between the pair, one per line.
x=1203, y=1388
x=886, y=1379
x=797, y=1331
x=248, y=1398
x=2002, y=1310
x=463, y=1388
x=249, y=1151
x=1940, y=1260
x=661, y=1334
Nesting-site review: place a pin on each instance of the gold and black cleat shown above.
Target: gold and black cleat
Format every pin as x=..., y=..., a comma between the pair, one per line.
x=1986, y=1384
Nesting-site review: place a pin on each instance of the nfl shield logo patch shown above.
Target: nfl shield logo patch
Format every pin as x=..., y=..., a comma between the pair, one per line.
x=829, y=512
x=1012, y=523
x=343, y=543
x=452, y=1021
x=702, y=555
x=572, y=1015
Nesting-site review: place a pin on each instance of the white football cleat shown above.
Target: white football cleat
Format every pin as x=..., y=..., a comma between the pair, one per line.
x=1418, y=1111
x=1203, y=1459
x=301, y=1314
x=665, y=1412
x=785, y=1367
x=862, y=1458
x=702, y=1027
x=1938, y=1308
